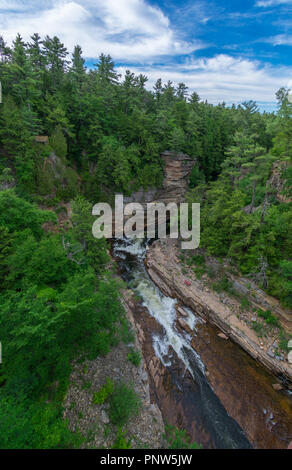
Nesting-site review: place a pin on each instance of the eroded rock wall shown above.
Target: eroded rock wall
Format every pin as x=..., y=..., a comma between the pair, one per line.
x=177, y=169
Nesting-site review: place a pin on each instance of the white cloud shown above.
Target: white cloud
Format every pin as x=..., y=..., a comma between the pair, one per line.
x=126, y=29
x=281, y=40
x=271, y=3
x=223, y=78
x=135, y=32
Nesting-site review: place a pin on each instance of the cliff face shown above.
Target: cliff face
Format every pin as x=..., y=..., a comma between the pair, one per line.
x=276, y=182
x=248, y=392
x=177, y=168
x=146, y=429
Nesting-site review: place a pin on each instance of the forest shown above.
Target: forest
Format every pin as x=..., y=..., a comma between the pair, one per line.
x=76, y=134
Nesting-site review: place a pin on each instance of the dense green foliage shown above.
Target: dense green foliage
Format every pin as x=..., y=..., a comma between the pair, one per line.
x=134, y=357
x=124, y=403
x=72, y=133
x=103, y=393
x=111, y=129
x=178, y=438
x=122, y=441
x=55, y=307
x=246, y=213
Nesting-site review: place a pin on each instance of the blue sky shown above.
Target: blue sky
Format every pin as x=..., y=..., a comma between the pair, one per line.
x=224, y=50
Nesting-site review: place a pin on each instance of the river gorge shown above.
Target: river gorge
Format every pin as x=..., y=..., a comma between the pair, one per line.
x=200, y=381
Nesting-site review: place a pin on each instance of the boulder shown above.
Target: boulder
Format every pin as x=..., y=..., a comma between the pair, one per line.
x=277, y=387
x=104, y=417
x=223, y=336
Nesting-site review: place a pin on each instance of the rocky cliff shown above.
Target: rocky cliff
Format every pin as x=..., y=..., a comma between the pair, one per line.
x=248, y=392
x=176, y=169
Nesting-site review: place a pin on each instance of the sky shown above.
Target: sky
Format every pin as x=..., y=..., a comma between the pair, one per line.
x=229, y=50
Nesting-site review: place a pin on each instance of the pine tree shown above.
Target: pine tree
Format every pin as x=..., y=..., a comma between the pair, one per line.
x=55, y=55
x=106, y=70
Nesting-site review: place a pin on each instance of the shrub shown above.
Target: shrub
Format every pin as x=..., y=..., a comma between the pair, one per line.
x=178, y=438
x=283, y=342
x=223, y=285
x=244, y=303
x=134, y=357
x=124, y=403
x=86, y=385
x=269, y=318
x=127, y=334
x=199, y=272
x=258, y=328
x=199, y=260
x=211, y=272
x=104, y=392
x=121, y=442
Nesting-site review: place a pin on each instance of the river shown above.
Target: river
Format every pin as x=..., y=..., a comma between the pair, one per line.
x=192, y=368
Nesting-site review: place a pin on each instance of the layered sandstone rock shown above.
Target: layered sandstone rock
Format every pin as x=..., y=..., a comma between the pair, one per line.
x=177, y=168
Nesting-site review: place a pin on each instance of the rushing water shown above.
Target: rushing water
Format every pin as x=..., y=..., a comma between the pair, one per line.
x=172, y=344
x=162, y=308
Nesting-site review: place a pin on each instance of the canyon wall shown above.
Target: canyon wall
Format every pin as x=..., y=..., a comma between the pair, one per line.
x=177, y=168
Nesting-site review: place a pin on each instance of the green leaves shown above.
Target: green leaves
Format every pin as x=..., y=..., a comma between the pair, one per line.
x=240, y=216
x=17, y=214
x=54, y=309
x=37, y=426
x=124, y=403
x=58, y=142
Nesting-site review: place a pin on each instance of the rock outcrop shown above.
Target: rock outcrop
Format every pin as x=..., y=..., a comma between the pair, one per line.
x=276, y=181
x=176, y=168
x=246, y=390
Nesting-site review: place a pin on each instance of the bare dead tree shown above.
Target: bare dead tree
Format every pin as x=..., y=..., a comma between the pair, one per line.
x=262, y=271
